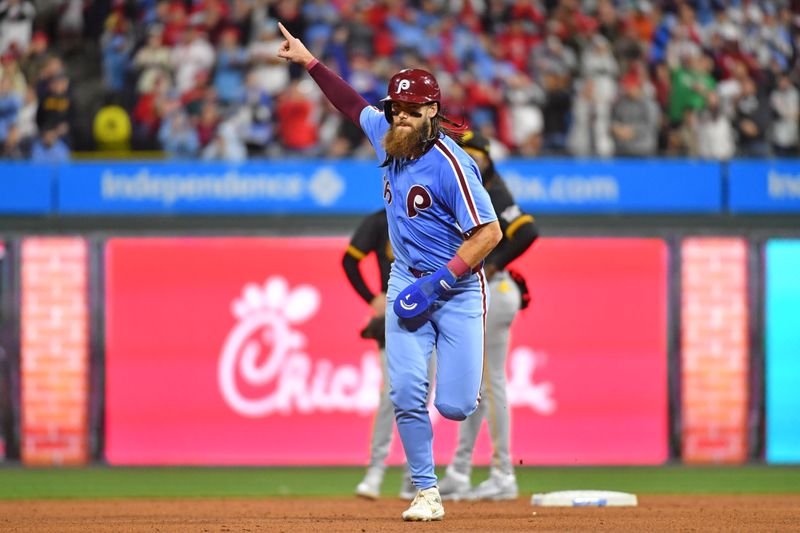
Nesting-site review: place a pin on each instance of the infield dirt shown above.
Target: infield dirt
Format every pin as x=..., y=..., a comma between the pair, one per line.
x=750, y=513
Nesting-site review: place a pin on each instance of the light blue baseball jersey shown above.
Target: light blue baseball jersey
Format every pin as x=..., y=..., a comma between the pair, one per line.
x=433, y=202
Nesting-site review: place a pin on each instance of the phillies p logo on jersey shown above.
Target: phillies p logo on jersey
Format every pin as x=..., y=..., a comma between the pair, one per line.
x=418, y=199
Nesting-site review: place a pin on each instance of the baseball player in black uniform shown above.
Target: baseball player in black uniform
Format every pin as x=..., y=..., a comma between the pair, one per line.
x=372, y=236
x=509, y=294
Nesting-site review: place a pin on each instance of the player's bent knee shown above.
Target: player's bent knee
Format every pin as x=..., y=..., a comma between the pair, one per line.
x=407, y=398
x=455, y=412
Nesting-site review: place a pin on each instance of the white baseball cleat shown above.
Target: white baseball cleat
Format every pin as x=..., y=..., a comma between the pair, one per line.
x=370, y=486
x=454, y=485
x=427, y=506
x=499, y=486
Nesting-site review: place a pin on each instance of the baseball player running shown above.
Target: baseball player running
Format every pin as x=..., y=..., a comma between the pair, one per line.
x=508, y=294
x=441, y=226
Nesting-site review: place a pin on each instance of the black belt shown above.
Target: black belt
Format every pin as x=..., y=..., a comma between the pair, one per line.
x=418, y=273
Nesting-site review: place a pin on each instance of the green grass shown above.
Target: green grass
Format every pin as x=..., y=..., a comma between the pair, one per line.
x=116, y=482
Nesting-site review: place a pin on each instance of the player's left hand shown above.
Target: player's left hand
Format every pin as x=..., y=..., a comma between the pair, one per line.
x=293, y=49
x=417, y=297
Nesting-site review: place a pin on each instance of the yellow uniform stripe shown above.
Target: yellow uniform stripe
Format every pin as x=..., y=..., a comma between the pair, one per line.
x=474, y=151
x=514, y=226
x=355, y=252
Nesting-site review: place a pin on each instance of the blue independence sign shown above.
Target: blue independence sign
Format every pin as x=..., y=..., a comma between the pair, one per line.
x=314, y=187
x=764, y=186
x=26, y=189
x=614, y=186
x=354, y=187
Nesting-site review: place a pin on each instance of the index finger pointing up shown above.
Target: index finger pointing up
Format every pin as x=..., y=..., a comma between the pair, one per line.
x=285, y=32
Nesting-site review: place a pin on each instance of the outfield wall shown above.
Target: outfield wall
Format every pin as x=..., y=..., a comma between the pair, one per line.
x=637, y=349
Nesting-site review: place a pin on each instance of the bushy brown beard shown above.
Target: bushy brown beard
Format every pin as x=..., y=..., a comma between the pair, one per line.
x=402, y=143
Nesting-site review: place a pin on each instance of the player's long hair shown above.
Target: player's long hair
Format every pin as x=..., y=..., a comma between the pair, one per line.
x=441, y=123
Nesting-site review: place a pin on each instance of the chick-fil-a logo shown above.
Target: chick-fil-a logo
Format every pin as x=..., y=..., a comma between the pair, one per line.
x=266, y=353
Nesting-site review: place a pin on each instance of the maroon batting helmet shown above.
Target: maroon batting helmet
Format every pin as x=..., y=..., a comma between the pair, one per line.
x=412, y=85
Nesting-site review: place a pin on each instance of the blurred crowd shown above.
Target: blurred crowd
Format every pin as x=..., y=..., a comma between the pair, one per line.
x=200, y=79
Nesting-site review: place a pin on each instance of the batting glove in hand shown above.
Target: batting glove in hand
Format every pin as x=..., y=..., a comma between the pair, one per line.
x=375, y=329
x=417, y=297
x=524, y=291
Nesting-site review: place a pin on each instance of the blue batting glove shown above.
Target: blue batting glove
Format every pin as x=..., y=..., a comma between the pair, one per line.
x=417, y=297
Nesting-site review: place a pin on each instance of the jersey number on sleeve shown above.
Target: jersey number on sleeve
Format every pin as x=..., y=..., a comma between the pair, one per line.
x=387, y=191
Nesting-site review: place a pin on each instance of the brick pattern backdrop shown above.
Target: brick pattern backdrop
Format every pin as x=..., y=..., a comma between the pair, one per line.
x=714, y=350
x=54, y=351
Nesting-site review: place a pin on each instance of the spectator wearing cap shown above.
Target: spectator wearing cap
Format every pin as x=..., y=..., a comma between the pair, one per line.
x=642, y=20
x=55, y=112
x=360, y=35
x=178, y=136
x=116, y=48
x=53, y=66
x=634, y=121
x=408, y=33
x=254, y=117
x=153, y=62
x=689, y=85
x=599, y=64
x=146, y=115
x=517, y=41
x=195, y=54
x=214, y=15
x=10, y=104
x=321, y=16
x=175, y=19
x=35, y=56
x=226, y=145
x=589, y=133
x=609, y=24
x=296, y=117
x=208, y=122
x=715, y=136
x=26, y=129
x=785, y=103
x=16, y=24
x=751, y=121
x=10, y=70
x=527, y=121
x=271, y=72
x=729, y=53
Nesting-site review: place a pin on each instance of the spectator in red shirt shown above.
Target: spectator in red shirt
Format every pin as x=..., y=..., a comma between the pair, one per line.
x=295, y=111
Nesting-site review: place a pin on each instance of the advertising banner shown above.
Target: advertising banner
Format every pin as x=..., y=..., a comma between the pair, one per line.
x=26, y=189
x=246, y=351
x=347, y=186
x=768, y=186
x=614, y=186
x=782, y=347
x=290, y=187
